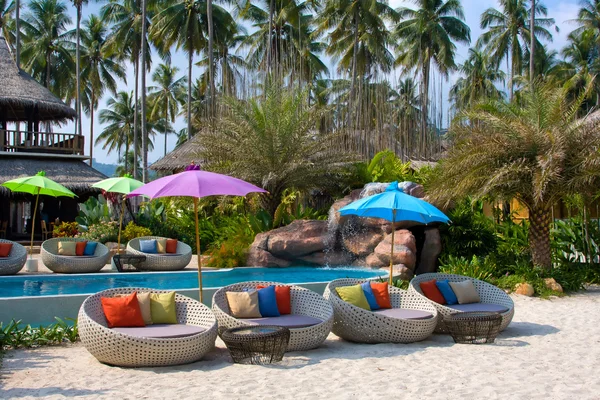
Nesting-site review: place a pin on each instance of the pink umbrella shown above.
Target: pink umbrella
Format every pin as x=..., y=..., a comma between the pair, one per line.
x=196, y=183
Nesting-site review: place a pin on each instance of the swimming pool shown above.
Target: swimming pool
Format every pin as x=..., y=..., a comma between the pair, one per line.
x=53, y=285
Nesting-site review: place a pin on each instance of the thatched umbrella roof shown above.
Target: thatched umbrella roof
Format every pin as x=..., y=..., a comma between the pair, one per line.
x=76, y=175
x=19, y=91
x=182, y=156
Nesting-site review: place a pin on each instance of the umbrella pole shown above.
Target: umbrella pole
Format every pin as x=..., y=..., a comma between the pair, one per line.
x=390, y=280
x=199, y=257
x=37, y=199
x=121, y=225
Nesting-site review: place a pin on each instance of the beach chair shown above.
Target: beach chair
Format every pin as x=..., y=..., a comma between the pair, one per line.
x=15, y=261
x=161, y=261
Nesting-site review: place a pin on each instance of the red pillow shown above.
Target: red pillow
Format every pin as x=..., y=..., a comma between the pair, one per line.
x=431, y=291
x=122, y=311
x=171, y=246
x=283, y=296
x=5, y=249
x=80, y=248
x=382, y=295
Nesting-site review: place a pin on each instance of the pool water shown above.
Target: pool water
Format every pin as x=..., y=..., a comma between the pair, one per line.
x=52, y=285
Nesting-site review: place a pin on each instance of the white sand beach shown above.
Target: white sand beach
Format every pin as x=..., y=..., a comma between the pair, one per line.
x=550, y=351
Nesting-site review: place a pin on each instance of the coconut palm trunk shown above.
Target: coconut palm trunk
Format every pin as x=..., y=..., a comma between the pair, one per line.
x=143, y=84
x=135, y=115
x=93, y=99
x=424, y=106
x=540, y=222
x=166, y=118
x=189, y=93
x=18, y=34
x=211, y=67
x=78, y=129
x=354, y=69
x=532, y=45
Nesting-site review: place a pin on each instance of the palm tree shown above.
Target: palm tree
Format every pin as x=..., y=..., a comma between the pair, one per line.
x=47, y=46
x=427, y=35
x=507, y=34
x=184, y=24
x=126, y=165
x=270, y=141
x=100, y=67
x=478, y=81
x=537, y=152
x=358, y=37
x=126, y=40
x=78, y=5
x=166, y=96
x=7, y=9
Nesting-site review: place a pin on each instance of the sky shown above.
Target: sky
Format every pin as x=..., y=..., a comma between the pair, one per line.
x=563, y=11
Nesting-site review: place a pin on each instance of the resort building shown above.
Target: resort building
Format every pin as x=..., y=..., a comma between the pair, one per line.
x=28, y=144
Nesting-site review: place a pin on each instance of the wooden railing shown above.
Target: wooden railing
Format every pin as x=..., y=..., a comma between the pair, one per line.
x=41, y=142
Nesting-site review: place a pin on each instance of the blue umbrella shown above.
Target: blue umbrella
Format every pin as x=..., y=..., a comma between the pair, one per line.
x=394, y=205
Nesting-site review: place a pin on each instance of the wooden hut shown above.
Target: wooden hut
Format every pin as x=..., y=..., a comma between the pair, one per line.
x=27, y=149
x=182, y=156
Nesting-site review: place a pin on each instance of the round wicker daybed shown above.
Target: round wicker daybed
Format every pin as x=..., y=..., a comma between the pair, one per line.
x=15, y=261
x=73, y=264
x=490, y=296
x=120, y=349
x=305, y=302
x=411, y=318
x=161, y=262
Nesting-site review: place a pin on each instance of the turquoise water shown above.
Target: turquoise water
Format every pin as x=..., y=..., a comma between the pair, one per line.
x=51, y=285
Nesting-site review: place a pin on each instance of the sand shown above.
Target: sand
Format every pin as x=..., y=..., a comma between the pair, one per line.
x=550, y=351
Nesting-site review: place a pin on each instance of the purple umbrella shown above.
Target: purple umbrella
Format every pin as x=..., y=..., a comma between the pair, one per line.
x=196, y=183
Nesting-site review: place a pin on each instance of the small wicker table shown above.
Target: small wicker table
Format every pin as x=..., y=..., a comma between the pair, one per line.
x=261, y=344
x=473, y=327
x=128, y=262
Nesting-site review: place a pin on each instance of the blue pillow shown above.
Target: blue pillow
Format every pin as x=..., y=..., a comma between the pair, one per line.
x=366, y=287
x=148, y=246
x=90, y=248
x=267, y=302
x=447, y=292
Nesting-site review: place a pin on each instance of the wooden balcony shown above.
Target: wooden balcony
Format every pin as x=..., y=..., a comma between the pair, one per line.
x=41, y=142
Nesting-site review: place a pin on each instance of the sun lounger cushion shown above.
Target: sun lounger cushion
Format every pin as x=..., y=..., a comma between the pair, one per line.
x=80, y=248
x=148, y=246
x=267, y=302
x=5, y=249
x=401, y=313
x=90, y=248
x=479, y=307
x=283, y=295
x=162, y=307
x=171, y=246
x=353, y=295
x=243, y=304
x=444, y=287
x=122, y=311
x=368, y=291
x=288, y=321
x=161, y=246
x=144, y=302
x=431, y=291
x=465, y=292
x=382, y=294
x=67, y=248
x=162, y=331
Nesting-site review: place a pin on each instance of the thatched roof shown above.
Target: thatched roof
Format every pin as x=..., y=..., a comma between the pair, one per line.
x=76, y=175
x=182, y=156
x=20, y=91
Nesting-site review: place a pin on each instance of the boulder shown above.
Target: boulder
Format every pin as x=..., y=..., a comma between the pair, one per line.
x=362, y=244
x=432, y=247
x=372, y=261
x=402, y=272
x=328, y=258
x=262, y=258
x=553, y=285
x=405, y=249
x=524, y=289
x=261, y=240
x=300, y=238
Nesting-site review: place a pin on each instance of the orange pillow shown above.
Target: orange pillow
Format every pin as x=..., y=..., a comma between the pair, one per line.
x=283, y=296
x=5, y=249
x=122, y=311
x=382, y=295
x=431, y=291
x=171, y=246
x=80, y=248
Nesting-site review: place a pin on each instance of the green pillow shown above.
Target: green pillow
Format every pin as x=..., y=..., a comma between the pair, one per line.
x=162, y=307
x=353, y=295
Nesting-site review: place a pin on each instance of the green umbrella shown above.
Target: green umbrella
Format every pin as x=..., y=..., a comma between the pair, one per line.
x=37, y=185
x=123, y=185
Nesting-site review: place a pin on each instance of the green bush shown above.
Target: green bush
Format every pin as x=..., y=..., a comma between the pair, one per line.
x=66, y=229
x=13, y=335
x=102, y=232
x=482, y=269
x=93, y=211
x=133, y=231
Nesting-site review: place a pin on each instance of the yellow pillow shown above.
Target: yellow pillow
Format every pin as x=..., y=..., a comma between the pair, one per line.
x=465, y=292
x=243, y=304
x=162, y=307
x=144, y=302
x=67, y=248
x=161, y=246
x=353, y=295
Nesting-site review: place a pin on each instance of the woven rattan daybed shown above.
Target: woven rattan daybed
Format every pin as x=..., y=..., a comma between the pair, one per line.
x=492, y=299
x=116, y=348
x=411, y=318
x=73, y=264
x=161, y=262
x=15, y=261
x=305, y=303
